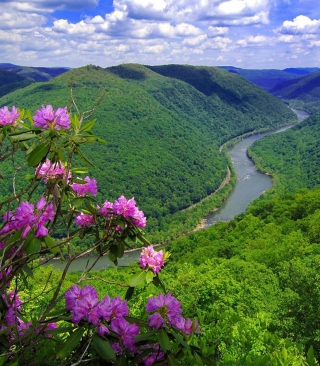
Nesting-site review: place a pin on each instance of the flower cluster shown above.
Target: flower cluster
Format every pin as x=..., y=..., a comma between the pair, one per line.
x=125, y=208
x=52, y=171
x=106, y=315
x=47, y=118
x=150, y=258
x=27, y=218
x=13, y=322
x=168, y=308
x=7, y=117
x=83, y=188
x=83, y=219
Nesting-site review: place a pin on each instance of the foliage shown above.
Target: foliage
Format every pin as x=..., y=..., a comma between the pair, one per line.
x=86, y=328
x=165, y=133
x=291, y=157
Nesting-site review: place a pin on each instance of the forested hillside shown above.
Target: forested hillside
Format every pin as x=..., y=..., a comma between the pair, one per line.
x=302, y=93
x=292, y=157
x=163, y=132
x=253, y=283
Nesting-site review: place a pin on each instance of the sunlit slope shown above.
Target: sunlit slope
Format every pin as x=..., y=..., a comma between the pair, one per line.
x=292, y=156
x=163, y=132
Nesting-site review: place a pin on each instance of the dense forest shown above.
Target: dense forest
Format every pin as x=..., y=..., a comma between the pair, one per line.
x=163, y=128
x=292, y=157
x=253, y=282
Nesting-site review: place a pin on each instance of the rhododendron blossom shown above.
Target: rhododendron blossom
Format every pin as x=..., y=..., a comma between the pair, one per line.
x=52, y=171
x=125, y=208
x=7, y=117
x=47, y=118
x=83, y=219
x=150, y=258
x=89, y=187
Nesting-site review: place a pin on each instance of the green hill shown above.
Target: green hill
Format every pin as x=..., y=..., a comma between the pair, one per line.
x=291, y=156
x=302, y=93
x=9, y=82
x=164, y=127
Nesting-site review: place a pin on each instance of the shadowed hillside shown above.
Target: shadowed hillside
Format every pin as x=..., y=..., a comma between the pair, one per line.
x=163, y=132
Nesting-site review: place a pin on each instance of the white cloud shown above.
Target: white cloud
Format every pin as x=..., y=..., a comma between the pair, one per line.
x=12, y=19
x=300, y=25
x=49, y=5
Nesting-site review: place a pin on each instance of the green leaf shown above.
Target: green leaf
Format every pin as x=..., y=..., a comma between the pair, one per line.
x=137, y=279
x=149, y=276
x=32, y=245
x=144, y=336
x=37, y=155
x=164, y=340
x=310, y=357
x=180, y=339
x=137, y=321
x=28, y=270
x=84, y=158
x=129, y=293
x=120, y=249
x=74, y=121
x=60, y=330
x=88, y=125
x=51, y=244
x=171, y=360
x=55, y=313
x=198, y=359
x=71, y=343
x=103, y=348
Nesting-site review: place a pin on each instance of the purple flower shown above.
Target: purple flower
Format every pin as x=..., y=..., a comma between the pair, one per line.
x=119, y=307
x=52, y=171
x=128, y=209
x=149, y=258
x=107, y=208
x=155, y=321
x=105, y=308
x=126, y=331
x=102, y=330
x=124, y=207
x=46, y=118
x=82, y=302
x=83, y=219
x=7, y=117
x=167, y=305
x=154, y=356
x=89, y=187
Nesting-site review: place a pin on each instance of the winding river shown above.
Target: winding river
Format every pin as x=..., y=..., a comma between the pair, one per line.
x=249, y=186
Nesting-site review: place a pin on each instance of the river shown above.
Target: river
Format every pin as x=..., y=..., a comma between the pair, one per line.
x=250, y=182
x=249, y=186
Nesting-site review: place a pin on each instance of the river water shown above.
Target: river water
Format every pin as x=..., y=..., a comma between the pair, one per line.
x=249, y=186
x=250, y=182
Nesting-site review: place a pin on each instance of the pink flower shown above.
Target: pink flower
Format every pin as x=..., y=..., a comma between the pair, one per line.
x=46, y=118
x=107, y=208
x=52, y=171
x=84, y=219
x=7, y=117
x=128, y=209
x=26, y=219
x=149, y=258
x=124, y=207
x=89, y=187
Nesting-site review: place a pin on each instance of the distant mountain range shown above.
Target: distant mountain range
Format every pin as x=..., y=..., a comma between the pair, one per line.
x=298, y=87
x=13, y=77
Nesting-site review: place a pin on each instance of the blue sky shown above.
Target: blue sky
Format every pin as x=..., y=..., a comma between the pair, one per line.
x=251, y=34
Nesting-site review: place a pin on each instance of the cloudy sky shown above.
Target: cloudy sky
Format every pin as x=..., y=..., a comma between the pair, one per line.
x=252, y=34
